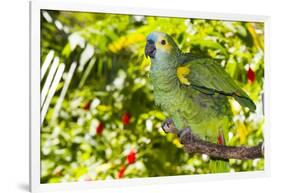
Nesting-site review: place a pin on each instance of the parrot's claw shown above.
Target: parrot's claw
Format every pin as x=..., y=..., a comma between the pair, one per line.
x=167, y=124
x=169, y=127
x=184, y=134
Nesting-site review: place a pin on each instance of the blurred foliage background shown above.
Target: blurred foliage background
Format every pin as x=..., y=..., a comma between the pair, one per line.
x=98, y=115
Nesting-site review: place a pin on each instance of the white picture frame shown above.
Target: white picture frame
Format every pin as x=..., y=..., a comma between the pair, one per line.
x=36, y=6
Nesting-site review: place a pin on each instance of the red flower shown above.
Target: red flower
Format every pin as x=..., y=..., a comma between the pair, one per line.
x=126, y=118
x=251, y=75
x=99, y=128
x=220, y=139
x=131, y=157
x=121, y=172
x=87, y=106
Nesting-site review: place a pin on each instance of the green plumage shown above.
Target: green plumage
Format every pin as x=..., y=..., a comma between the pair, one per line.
x=202, y=105
x=189, y=107
x=210, y=76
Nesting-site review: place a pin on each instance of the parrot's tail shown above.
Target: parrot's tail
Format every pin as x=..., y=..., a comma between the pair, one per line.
x=219, y=166
x=245, y=101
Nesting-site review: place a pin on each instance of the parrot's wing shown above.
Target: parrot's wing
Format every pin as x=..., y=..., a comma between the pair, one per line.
x=208, y=77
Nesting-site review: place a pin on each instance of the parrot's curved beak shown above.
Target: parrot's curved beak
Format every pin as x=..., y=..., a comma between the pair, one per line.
x=150, y=49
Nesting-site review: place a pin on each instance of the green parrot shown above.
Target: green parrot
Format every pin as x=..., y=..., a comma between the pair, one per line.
x=194, y=91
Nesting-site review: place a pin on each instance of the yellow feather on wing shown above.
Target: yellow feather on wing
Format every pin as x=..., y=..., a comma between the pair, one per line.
x=182, y=71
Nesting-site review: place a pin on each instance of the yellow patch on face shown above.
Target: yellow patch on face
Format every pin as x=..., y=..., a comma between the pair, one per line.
x=167, y=47
x=182, y=71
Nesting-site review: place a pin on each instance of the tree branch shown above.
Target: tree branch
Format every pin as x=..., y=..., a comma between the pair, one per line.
x=193, y=144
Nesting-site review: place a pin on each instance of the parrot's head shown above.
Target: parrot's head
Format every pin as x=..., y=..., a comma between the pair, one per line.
x=161, y=47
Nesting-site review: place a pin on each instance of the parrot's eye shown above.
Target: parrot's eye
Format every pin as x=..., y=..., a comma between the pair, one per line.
x=163, y=42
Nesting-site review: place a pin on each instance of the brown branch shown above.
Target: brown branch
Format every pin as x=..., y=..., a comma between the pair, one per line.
x=193, y=144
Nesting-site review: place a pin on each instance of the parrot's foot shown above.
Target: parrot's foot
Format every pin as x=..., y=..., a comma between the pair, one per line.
x=168, y=126
x=185, y=135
